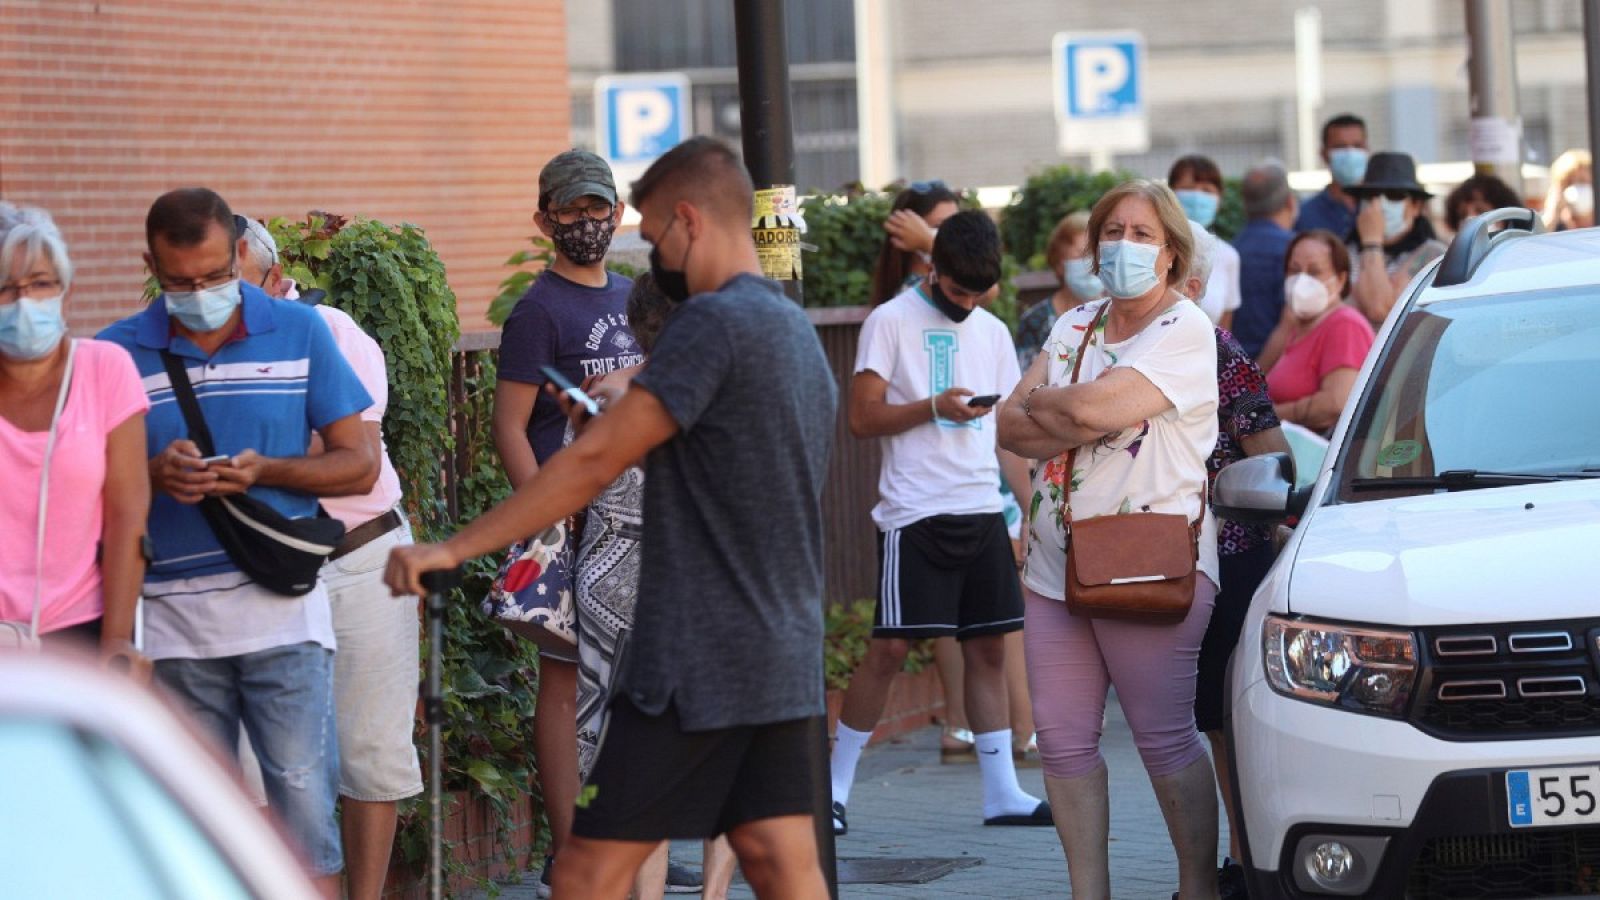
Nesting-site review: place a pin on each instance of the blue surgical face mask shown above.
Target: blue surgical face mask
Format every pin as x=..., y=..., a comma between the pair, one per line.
x=205, y=310
x=29, y=329
x=1079, y=276
x=1128, y=269
x=1199, y=206
x=1394, y=217
x=1348, y=165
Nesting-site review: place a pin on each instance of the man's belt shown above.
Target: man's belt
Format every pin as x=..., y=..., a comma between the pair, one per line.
x=366, y=533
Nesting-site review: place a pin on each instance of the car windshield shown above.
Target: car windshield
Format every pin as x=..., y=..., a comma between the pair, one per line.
x=1473, y=393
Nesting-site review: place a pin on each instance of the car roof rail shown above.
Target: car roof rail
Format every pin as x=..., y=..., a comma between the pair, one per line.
x=1473, y=243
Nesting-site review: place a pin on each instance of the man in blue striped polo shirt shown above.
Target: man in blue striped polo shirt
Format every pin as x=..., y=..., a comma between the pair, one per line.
x=267, y=375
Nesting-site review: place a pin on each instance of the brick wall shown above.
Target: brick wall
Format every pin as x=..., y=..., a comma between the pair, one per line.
x=436, y=112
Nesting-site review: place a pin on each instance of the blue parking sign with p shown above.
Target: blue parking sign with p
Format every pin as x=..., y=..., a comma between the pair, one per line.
x=1102, y=77
x=1100, y=92
x=640, y=117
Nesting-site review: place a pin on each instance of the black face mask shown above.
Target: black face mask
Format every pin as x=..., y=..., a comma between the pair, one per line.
x=673, y=284
x=952, y=311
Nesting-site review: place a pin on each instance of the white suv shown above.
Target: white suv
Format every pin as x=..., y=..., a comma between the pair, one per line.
x=1415, y=699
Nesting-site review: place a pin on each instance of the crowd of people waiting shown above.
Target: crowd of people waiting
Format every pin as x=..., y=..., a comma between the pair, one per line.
x=1163, y=354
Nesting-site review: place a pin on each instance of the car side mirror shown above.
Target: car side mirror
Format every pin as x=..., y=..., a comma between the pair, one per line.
x=1259, y=489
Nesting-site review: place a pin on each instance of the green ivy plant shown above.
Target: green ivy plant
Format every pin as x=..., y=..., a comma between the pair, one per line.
x=390, y=280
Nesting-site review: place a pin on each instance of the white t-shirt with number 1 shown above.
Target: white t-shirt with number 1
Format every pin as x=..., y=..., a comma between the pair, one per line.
x=937, y=468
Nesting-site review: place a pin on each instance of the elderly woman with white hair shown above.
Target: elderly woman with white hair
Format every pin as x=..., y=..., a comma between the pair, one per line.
x=1247, y=426
x=72, y=446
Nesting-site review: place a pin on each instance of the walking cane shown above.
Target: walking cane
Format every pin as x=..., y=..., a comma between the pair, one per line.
x=438, y=585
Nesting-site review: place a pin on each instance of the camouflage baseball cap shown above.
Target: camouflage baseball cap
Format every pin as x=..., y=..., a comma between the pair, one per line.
x=574, y=174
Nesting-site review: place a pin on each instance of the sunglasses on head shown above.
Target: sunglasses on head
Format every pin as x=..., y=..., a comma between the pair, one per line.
x=925, y=187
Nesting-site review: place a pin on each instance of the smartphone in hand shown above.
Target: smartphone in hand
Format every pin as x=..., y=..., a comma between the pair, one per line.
x=220, y=458
x=571, y=390
x=984, y=401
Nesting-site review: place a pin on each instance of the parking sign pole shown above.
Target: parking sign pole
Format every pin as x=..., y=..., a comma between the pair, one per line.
x=1591, y=52
x=767, y=132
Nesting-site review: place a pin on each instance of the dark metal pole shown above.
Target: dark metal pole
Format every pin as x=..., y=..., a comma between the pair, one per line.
x=1591, y=52
x=768, y=136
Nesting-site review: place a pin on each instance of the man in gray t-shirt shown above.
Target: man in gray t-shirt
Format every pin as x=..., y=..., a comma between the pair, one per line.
x=723, y=677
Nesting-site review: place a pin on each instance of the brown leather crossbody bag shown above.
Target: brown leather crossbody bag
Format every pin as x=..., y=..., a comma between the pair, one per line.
x=1138, y=566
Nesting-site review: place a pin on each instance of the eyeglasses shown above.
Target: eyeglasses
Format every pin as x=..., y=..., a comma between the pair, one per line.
x=598, y=211
x=33, y=289
x=925, y=187
x=1396, y=196
x=241, y=228
x=204, y=282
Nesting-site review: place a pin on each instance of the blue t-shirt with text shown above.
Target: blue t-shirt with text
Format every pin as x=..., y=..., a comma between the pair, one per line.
x=578, y=331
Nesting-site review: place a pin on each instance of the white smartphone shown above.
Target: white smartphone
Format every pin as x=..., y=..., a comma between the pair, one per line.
x=571, y=390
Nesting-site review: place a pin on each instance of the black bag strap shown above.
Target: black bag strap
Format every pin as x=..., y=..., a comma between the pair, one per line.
x=183, y=392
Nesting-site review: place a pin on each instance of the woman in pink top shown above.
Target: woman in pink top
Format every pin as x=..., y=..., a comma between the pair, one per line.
x=1327, y=339
x=99, y=490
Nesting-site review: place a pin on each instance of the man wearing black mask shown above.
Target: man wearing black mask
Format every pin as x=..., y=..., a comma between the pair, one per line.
x=927, y=373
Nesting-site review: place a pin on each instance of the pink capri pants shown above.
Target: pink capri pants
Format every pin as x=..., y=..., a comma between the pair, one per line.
x=1073, y=659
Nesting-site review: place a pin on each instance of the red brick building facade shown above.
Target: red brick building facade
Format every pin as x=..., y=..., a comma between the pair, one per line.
x=435, y=112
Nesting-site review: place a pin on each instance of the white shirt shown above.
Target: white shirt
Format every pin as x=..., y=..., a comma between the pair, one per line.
x=937, y=468
x=1222, y=288
x=1158, y=465
x=366, y=358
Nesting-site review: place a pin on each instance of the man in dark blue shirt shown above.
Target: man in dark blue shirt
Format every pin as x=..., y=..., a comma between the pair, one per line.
x=1262, y=244
x=1344, y=149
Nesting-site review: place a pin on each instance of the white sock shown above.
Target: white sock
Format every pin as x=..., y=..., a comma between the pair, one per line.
x=1002, y=795
x=847, y=746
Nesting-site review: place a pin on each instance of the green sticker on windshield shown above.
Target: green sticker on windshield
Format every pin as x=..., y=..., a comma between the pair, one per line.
x=1399, y=453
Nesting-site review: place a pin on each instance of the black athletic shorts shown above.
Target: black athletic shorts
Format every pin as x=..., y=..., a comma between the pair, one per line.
x=1241, y=575
x=947, y=576
x=653, y=781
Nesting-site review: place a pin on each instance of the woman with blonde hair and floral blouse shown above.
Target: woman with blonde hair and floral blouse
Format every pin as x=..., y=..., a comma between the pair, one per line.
x=1129, y=434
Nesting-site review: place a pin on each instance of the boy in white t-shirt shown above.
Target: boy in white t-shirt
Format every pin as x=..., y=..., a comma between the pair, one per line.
x=929, y=369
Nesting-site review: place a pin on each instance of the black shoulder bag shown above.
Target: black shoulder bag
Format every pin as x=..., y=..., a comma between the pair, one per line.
x=281, y=554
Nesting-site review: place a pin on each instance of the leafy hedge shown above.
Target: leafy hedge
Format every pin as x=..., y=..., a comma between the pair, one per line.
x=843, y=234
x=1048, y=196
x=390, y=280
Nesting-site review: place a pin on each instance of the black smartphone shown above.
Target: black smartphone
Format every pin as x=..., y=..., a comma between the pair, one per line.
x=986, y=400
x=571, y=390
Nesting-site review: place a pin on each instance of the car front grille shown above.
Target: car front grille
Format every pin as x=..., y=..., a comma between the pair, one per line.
x=1490, y=867
x=1509, y=681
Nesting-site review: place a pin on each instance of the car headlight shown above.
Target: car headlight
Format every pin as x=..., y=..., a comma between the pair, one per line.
x=1365, y=670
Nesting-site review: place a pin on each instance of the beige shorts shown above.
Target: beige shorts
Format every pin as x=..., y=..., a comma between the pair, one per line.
x=375, y=675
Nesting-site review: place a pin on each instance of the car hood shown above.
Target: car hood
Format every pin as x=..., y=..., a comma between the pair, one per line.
x=1491, y=555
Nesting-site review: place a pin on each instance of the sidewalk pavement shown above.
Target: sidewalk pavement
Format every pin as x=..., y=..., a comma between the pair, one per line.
x=906, y=805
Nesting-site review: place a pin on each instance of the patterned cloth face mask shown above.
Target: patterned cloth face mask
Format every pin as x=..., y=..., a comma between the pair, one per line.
x=585, y=241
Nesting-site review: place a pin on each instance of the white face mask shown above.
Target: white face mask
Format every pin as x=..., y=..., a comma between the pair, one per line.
x=1079, y=277
x=1394, y=217
x=1307, y=297
x=1580, y=197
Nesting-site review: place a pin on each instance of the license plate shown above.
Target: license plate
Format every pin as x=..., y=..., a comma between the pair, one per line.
x=1553, y=796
